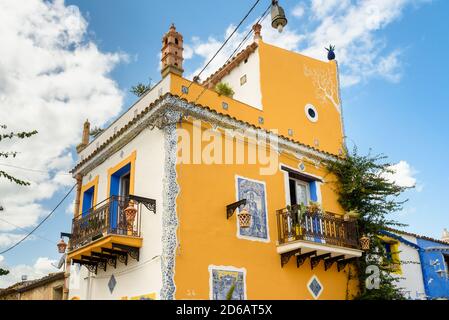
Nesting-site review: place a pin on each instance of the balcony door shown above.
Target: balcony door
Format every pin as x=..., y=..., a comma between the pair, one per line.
x=124, y=185
x=120, y=189
x=299, y=192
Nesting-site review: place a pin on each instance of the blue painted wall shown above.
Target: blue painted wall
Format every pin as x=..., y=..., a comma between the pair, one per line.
x=435, y=285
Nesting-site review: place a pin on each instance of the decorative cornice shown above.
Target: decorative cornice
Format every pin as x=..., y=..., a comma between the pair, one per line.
x=228, y=67
x=155, y=116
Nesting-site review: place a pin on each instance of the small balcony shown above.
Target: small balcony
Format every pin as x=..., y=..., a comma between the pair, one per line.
x=108, y=232
x=316, y=235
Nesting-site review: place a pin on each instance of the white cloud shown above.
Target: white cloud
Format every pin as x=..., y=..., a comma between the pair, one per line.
x=52, y=78
x=403, y=175
x=298, y=10
x=288, y=40
x=7, y=239
x=351, y=25
x=42, y=267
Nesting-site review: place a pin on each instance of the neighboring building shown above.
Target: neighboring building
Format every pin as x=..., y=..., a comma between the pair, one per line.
x=47, y=288
x=422, y=264
x=156, y=214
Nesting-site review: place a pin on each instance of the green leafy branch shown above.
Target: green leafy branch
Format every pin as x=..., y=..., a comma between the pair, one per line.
x=13, y=154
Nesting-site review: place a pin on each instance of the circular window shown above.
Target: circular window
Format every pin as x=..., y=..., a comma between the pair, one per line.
x=311, y=113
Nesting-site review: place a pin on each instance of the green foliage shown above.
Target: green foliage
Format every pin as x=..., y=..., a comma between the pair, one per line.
x=224, y=89
x=331, y=48
x=3, y=272
x=140, y=89
x=13, y=154
x=95, y=132
x=362, y=187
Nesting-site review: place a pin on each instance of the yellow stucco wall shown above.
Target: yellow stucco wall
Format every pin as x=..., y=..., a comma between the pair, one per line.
x=207, y=238
x=289, y=81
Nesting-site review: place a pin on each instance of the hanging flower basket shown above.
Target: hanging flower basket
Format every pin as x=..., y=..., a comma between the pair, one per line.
x=130, y=213
x=365, y=243
x=244, y=218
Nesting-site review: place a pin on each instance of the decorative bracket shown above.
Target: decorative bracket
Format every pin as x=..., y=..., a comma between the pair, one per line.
x=303, y=257
x=65, y=234
x=102, y=263
x=285, y=257
x=150, y=204
x=121, y=255
x=315, y=261
x=133, y=252
x=329, y=262
x=343, y=263
x=230, y=209
x=112, y=260
x=91, y=266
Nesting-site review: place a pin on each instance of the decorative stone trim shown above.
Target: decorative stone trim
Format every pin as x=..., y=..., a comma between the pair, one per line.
x=169, y=215
x=155, y=116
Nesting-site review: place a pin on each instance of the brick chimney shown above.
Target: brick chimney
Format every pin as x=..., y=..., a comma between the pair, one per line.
x=85, y=138
x=172, y=53
x=257, y=28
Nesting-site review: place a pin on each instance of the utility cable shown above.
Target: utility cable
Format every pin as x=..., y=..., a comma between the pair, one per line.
x=264, y=15
x=41, y=223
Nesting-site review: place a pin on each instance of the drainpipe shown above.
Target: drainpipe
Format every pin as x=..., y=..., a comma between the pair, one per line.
x=79, y=182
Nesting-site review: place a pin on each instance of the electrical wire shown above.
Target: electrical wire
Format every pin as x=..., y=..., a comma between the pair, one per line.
x=261, y=19
x=23, y=229
x=41, y=223
x=31, y=170
x=230, y=36
x=223, y=45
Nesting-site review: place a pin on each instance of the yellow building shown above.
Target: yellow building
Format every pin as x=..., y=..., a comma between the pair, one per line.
x=194, y=193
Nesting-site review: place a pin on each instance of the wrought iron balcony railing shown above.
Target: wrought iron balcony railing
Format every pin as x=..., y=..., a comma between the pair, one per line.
x=110, y=217
x=316, y=227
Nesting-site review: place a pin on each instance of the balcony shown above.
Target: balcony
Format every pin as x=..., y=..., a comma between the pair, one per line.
x=108, y=232
x=317, y=235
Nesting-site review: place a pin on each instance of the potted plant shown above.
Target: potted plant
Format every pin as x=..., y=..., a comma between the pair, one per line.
x=314, y=208
x=224, y=89
x=130, y=213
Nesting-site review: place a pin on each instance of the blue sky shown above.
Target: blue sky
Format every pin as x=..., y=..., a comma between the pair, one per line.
x=395, y=88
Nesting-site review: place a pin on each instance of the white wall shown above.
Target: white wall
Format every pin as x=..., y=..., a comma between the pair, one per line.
x=143, y=277
x=411, y=279
x=250, y=93
x=158, y=90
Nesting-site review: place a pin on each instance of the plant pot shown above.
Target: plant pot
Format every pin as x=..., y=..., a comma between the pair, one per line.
x=244, y=218
x=365, y=243
x=130, y=214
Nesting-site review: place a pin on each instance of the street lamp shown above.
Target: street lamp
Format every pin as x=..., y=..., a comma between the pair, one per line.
x=278, y=18
x=61, y=246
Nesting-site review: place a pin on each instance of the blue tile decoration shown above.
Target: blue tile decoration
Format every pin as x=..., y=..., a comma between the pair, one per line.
x=315, y=287
x=111, y=283
x=254, y=192
x=222, y=282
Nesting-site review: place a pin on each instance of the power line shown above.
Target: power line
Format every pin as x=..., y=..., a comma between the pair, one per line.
x=230, y=36
x=41, y=223
x=262, y=17
x=223, y=45
x=23, y=229
x=32, y=170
